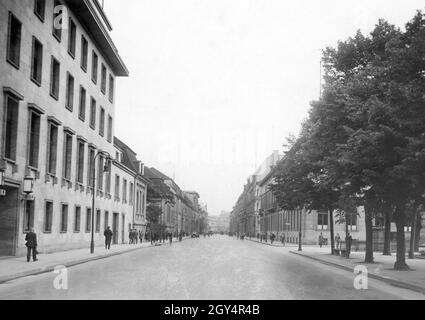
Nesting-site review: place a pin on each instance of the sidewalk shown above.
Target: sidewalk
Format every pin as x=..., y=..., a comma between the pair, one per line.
x=18, y=267
x=382, y=269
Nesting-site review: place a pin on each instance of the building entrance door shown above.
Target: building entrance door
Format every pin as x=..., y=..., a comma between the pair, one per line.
x=9, y=210
x=115, y=226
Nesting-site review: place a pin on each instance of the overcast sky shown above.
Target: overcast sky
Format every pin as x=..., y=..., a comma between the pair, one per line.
x=216, y=85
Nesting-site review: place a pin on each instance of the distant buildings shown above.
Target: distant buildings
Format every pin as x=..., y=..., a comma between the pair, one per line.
x=257, y=213
x=219, y=223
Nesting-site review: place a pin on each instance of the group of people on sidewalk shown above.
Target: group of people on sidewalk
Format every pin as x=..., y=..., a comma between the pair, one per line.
x=338, y=242
x=135, y=235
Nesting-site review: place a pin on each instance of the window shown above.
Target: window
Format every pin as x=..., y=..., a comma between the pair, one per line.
x=36, y=61
x=64, y=219
x=322, y=221
x=48, y=215
x=67, y=157
x=29, y=216
x=109, y=129
x=34, y=139
x=88, y=220
x=131, y=193
x=80, y=162
x=102, y=122
x=124, y=191
x=106, y=221
x=84, y=53
x=352, y=222
x=142, y=209
x=77, y=219
x=111, y=88
x=72, y=36
x=137, y=202
x=54, y=78
x=103, y=80
x=11, y=132
x=108, y=180
x=100, y=174
x=94, y=67
x=117, y=187
x=40, y=8
x=70, y=92
x=57, y=20
x=90, y=167
x=93, y=113
x=52, y=148
x=82, y=104
x=14, y=41
x=98, y=220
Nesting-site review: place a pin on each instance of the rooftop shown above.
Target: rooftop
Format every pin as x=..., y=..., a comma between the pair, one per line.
x=94, y=20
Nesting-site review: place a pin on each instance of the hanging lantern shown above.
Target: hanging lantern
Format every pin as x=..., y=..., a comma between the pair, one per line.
x=28, y=185
x=1, y=177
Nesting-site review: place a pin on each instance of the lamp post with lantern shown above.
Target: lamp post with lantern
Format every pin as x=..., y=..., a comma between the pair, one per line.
x=106, y=168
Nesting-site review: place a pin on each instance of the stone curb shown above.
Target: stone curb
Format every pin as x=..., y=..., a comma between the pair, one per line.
x=73, y=263
x=393, y=282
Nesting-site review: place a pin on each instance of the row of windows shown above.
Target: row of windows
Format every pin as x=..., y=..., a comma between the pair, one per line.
x=11, y=134
x=65, y=225
x=10, y=150
x=36, y=76
x=15, y=29
x=323, y=224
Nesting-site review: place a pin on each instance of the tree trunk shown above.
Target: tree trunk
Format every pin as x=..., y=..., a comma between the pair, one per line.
x=412, y=236
x=369, y=234
x=387, y=231
x=400, y=263
x=418, y=231
x=331, y=223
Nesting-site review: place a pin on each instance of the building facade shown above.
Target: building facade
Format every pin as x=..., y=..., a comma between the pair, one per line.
x=219, y=224
x=257, y=214
x=58, y=69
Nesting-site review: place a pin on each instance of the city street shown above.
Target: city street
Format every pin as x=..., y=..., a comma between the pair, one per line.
x=213, y=268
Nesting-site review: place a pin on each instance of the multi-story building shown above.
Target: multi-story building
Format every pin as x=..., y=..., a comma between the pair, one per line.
x=257, y=209
x=219, y=224
x=58, y=67
x=134, y=188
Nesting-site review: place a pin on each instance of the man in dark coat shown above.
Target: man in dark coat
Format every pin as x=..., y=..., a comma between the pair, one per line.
x=31, y=239
x=108, y=238
x=141, y=236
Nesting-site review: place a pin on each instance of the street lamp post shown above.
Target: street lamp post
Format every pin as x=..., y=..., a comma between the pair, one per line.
x=108, y=158
x=300, y=233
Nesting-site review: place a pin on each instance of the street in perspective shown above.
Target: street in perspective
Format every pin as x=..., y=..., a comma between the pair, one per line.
x=212, y=150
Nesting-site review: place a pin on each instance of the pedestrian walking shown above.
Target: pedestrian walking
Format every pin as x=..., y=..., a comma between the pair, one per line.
x=170, y=238
x=141, y=236
x=108, y=238
x=130, y=237
x=135, y=236
x=321, y=239
x=31, y=239
x=348, y=241
x=282, y=239
x=338, y=240
x=272, y=238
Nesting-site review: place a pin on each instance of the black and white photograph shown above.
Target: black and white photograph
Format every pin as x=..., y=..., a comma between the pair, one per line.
x=223, y=152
